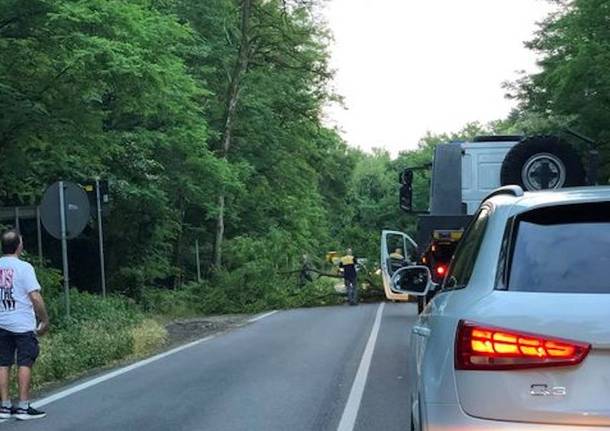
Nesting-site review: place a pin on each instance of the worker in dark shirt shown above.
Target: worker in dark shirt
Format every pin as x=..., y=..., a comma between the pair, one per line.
x=348, y=264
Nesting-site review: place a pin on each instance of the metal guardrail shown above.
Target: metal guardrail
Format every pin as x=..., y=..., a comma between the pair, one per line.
x=14, y=213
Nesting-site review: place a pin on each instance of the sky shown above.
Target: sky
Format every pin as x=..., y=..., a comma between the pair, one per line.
x=405, y=67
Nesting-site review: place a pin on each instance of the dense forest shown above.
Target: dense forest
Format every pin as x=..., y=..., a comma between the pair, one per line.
x=206, y=118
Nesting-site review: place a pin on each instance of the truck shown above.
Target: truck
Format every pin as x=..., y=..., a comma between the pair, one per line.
x=463, y=174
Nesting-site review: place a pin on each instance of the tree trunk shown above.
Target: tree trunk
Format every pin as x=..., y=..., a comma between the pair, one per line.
x=178, y=247
x=239, y=70
x=220, y=230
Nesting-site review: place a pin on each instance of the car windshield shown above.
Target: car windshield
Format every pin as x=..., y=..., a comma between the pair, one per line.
x=562, y=249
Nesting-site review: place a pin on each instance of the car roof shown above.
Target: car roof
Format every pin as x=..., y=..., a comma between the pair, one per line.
x=544, y=198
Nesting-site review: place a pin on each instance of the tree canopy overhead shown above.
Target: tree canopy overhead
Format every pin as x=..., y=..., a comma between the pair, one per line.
x=572, y=89
x=178, y=103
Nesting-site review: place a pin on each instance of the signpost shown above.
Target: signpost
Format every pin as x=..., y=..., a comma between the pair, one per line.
x=100, y=235
x=39, y=237
x=64, y=212
x=64, y=245
x=97, y=192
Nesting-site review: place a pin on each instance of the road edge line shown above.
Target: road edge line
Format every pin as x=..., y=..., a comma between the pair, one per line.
x=105, y=377
x=262, y=316
x=350, y=412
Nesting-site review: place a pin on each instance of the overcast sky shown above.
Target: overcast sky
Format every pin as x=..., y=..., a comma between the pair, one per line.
x=408, y=66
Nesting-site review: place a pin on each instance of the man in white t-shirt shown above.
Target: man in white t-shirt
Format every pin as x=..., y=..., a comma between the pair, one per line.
x=20, y=305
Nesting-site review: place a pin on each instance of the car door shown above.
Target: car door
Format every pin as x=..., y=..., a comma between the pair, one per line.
x=390, y=241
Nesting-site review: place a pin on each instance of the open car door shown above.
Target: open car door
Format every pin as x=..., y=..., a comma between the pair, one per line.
x=397, y=251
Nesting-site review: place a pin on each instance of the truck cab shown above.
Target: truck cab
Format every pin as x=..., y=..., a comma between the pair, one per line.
x=463, y=173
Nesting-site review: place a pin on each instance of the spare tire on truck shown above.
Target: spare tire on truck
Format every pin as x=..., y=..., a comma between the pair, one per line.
x=542, y=162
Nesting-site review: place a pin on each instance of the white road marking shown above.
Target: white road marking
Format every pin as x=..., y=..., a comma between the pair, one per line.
x=262, y=316
x=67, y=392
x=350, y=413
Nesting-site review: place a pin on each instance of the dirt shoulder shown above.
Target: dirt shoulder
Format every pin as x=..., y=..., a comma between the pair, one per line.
x=182, y=331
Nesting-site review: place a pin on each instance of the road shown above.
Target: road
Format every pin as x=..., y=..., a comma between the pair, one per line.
x=293, y=370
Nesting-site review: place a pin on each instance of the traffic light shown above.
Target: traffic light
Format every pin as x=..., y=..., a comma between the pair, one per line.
x=406, y=190
x=406, y=198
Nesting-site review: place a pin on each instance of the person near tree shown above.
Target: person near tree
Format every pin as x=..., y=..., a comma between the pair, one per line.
x=350, y=276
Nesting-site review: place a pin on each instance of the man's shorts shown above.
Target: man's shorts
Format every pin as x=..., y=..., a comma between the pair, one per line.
x=24, y=345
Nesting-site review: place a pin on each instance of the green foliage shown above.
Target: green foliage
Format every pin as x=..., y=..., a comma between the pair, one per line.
x=98, y=332
x=102, y=88
x=135, y=92
x=572, y=87
x=87, y=344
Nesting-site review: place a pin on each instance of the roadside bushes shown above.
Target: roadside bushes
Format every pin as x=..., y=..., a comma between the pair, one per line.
x=104, y=331
x=99, y=332
x=181, y=302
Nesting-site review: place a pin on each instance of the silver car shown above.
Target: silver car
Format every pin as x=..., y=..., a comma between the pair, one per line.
x=518, y=335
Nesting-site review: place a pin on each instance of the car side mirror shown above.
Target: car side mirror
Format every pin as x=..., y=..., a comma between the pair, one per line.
x=414, y=280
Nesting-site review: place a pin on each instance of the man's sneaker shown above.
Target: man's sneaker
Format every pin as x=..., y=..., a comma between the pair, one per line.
x=6, y=412
x=29, y=413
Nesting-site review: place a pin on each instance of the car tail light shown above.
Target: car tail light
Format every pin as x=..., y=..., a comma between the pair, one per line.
x=482, y=347
x=441, y=270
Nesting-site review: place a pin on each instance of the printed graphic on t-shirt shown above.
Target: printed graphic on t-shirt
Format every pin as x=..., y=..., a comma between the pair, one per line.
x=6, y=289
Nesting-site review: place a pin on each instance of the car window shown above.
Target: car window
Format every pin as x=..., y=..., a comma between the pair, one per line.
x=398, y=247
x=466, y=253
x=562, y=249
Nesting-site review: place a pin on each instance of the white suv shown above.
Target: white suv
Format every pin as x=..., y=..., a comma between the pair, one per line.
x=518, y=335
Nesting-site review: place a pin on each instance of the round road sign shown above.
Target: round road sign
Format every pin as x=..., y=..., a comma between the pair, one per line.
x=76, y=205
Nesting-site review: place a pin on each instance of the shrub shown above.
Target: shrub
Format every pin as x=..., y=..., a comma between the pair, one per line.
x=100, y=331
x=229, y=295
x=147, y=337
x=170, y=303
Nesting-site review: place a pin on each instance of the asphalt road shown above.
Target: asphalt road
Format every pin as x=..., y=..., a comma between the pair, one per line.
x=293, y=370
